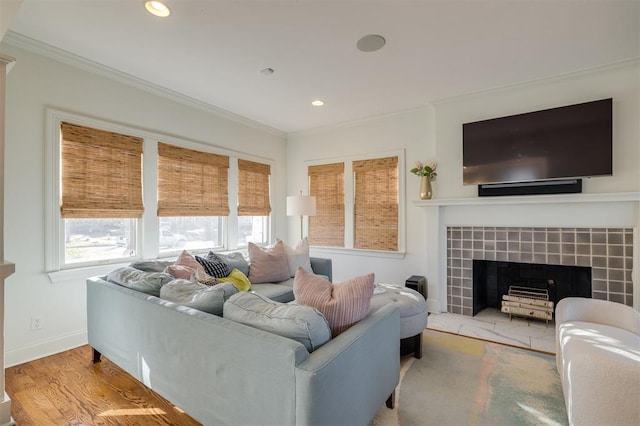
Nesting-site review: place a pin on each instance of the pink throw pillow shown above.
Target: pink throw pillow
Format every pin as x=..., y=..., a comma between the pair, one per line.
x=188, y=268
x=342, y=304
x=268, y=264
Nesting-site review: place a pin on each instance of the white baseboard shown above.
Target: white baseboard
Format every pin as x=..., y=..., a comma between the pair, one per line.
x=5, y=411
x=433, y=306
x=44, y=348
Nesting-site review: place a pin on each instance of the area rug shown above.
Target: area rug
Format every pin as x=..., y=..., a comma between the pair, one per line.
x=465, y=381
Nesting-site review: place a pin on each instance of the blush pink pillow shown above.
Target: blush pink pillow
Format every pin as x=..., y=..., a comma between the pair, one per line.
x=342, y=304
x=268, y=264
x=187, y=267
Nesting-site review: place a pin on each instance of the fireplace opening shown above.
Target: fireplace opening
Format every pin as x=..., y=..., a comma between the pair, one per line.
x=492, y=280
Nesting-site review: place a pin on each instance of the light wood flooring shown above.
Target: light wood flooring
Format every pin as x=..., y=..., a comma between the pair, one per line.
x=68, y=389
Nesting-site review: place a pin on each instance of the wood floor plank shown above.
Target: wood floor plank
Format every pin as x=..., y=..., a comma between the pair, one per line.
x=68, y=389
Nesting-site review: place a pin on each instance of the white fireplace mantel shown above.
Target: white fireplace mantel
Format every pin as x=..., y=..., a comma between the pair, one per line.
x=591, y=210
x=531, y=199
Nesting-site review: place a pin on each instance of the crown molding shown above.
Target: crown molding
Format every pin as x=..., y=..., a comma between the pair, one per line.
x=43, y=49
x=545, y=80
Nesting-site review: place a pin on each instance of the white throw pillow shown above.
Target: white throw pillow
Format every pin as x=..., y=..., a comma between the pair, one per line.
x=298, y=256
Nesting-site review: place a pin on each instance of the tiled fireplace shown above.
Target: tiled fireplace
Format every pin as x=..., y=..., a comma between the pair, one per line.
x=608, y=251
x=599, y=231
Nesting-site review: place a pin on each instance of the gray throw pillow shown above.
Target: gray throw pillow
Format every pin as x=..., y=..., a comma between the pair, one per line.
x=135, y=279
x=235, y=260
x=151, y=265
x=300, y=323
x=198, y=296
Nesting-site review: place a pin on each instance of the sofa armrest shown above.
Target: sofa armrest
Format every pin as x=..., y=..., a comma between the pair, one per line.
x=347, y=380
x=322, y=266
x=599, y=312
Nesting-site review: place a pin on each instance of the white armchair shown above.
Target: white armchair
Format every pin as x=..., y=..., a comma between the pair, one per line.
x=598, y=358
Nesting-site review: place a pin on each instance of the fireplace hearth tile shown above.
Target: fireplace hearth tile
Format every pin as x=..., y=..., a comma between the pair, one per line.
x=495, y=326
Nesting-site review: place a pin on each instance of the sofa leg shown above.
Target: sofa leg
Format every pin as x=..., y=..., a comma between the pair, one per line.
x=417, y=346
x=391, y=401
x=96, y=356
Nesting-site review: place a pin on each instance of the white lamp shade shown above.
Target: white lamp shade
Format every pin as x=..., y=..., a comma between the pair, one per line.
x=301, y=205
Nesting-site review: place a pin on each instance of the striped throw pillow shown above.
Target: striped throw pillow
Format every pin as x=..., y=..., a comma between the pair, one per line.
x=342, y=304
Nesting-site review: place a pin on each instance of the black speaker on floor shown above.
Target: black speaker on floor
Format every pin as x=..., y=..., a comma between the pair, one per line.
x=565, y=186
x=417, y=283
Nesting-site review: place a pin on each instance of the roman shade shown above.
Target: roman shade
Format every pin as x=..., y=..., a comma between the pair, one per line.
x=376, y=204
x=326, y=183
x=253, y=188
x=101, y=173
x=191, y=183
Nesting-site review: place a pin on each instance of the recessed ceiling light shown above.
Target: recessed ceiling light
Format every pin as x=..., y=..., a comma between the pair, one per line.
x=157, y=8
x=371, y=43
x=317, y=102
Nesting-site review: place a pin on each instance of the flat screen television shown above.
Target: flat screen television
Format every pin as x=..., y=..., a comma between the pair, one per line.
x=559, y=143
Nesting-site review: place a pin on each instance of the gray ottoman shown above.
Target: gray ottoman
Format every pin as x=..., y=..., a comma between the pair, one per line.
x=413, y=313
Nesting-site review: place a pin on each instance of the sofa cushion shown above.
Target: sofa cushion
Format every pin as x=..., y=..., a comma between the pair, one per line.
x=238, y=279
x=235, y=260
x=301, y=323
x=343, y=304
x=135, y=279
x=268, y=264
x=298, y=256
x=281, y=292
x=213, y=265
x=198, y=296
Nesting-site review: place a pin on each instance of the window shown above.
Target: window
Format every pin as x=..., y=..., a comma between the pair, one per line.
x=98, y=178
x=192, y=198
x=101, y=193
x=326, y=183
x=254, y=204
x=376, y=204
x=358, y=204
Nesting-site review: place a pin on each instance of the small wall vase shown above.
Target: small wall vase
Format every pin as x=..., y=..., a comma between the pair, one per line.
x=425, y=188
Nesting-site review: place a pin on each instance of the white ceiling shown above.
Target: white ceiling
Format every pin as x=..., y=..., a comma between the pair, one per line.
x=213, y=50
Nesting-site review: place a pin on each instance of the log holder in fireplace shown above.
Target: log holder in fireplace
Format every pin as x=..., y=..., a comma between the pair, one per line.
x=528, y=302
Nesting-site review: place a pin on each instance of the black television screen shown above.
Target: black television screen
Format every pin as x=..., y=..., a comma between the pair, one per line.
x=559, y=143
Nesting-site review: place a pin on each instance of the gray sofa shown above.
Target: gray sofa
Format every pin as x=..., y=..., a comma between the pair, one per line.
x=223, y=372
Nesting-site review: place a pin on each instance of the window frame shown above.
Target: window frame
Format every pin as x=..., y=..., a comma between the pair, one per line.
x=147, y=227
x=349, y=204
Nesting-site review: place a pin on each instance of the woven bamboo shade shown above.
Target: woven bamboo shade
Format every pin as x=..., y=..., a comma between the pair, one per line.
x=253, y=189
x=101, y=173
x=326, y=183
x=376, y=204
x=192, y=183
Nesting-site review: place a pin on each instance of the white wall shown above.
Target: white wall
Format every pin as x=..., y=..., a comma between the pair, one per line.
x=437, y=134
x=411, y=131
x=35, y=83
x=620, y=82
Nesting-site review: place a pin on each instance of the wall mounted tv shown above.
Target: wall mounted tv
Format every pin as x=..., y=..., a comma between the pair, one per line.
x=559, y=143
